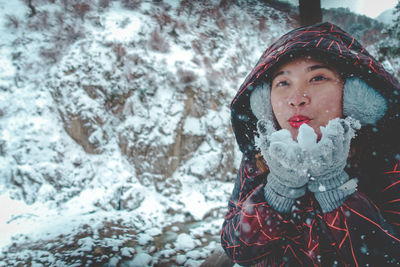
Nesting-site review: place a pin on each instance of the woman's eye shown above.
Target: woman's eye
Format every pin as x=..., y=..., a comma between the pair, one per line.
x=282, y=83
x=318, y=78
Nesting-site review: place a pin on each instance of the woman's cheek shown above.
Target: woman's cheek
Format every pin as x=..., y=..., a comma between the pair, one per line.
x=278, y=106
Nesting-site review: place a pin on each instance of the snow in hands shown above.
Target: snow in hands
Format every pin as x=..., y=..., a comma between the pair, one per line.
x=307, y=154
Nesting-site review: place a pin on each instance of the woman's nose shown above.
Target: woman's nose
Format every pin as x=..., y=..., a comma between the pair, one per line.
x=299, y=98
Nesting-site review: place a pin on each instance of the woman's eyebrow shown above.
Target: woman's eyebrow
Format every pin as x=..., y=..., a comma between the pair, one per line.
x=315, y=67
x=280, y=73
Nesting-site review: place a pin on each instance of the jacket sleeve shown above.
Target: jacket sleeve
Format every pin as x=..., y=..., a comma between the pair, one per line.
x=365, y=233
x=390, y=197
x=252, y=230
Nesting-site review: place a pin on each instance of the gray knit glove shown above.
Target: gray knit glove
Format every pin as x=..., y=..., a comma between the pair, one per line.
x=329, y=182
x=288, y=171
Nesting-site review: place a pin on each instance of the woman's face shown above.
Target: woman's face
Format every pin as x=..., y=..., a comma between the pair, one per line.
x=306, y=91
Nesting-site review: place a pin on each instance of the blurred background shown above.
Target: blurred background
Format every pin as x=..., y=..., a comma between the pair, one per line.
x=115, y=141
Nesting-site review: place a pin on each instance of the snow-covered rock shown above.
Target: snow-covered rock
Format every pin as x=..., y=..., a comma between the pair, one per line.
x=185, y=242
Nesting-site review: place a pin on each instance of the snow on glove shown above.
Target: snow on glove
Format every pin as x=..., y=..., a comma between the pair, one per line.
x=285, y=158
x=328, y=180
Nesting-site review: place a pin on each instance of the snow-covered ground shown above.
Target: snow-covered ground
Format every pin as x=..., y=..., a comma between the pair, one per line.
x=115, y=140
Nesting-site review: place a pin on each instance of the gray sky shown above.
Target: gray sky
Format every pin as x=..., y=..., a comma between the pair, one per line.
x=370, y=8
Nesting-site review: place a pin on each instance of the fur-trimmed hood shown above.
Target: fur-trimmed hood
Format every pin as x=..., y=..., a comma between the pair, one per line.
x=328, y=41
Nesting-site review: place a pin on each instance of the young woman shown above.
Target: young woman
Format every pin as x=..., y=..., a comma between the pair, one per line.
x=318, y=123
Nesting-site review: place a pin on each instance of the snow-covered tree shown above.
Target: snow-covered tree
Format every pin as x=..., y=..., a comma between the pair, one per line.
x=391, y=46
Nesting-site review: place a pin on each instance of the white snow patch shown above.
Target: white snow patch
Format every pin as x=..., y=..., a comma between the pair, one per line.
x=185, y=242
x=7, y=69
x=193, y=126
x=121, y=25
x=144, y=239
x=180, y=259
x=307, y=138
x=127, y=252
x=176, y=56
x=321, y=188
x=195, y=203
x=140, y=260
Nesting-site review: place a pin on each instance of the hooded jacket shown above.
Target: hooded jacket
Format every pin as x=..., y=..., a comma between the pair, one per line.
x=365, y=229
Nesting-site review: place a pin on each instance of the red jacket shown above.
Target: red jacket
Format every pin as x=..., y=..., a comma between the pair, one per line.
x=353, y=235
x=365, y=229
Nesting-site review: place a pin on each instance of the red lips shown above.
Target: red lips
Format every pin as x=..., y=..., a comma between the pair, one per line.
x=297, y=120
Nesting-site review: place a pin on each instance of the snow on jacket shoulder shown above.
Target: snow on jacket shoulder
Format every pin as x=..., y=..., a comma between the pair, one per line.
x=364, y=230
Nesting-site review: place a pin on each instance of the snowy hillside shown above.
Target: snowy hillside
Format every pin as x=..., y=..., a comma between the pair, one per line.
x=115, y=139
x=116, y=144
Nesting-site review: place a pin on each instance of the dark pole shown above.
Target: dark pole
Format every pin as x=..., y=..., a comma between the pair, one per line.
x=310, y=12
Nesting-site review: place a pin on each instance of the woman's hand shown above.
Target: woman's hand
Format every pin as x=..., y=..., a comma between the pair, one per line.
x=327, y=159
x=284, y=156
x=319, y=165
x=288, y=169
